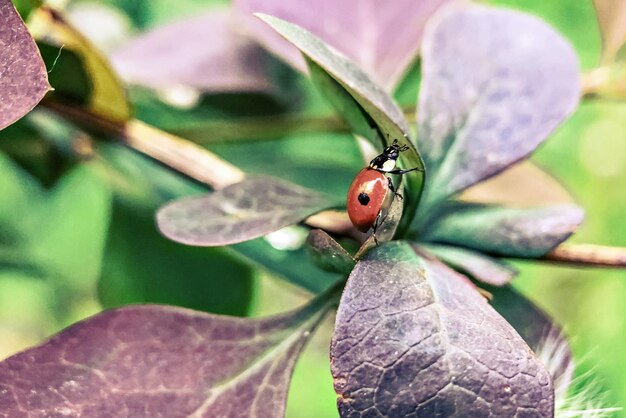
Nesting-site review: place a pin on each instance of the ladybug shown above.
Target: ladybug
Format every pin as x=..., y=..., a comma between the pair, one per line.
x=369, y=192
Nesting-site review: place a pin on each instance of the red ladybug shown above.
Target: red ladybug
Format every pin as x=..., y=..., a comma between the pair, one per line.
x=368, y=194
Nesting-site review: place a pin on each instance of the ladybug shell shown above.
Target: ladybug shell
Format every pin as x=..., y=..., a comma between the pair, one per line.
x=366, y=198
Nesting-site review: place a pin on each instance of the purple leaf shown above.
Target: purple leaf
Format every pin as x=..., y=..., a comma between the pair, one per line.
x=478, y=266
x=328, y=254
x=382, y=39
x=413, y=338
x=160, y=361
x=246, y=210
x=374, y=100
x=23, y=77
x=360, y=101
x=207, y=53
x=488, y=101
x=513, y=232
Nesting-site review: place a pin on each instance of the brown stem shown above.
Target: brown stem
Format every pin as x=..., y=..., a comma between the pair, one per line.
x=593, y=81
x=183, y=156
x=607, y=82
x=588, y=254
x=177, y=153
x=186, y=157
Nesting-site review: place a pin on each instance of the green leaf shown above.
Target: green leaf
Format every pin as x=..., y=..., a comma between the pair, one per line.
x=73, y=227
x=138, y=179
x=23, y=80
x=34, y=225
x=512, y=232
x=361, y=122
x=70, y=240
x=25, y=7
x=216, y=116
x=328, y=253
x=18, y=217
x=323, y=162
x=67, y=74
x=240, y=212
x=295, y=266
x=56, y=236
x=142, y=266
x=21, y=328
x=104, y=95
x=365, y=105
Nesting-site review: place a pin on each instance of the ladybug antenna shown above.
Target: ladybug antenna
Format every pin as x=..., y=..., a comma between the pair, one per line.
x=403, y=148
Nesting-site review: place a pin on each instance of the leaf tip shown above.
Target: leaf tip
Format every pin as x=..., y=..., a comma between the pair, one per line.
x=265, y=17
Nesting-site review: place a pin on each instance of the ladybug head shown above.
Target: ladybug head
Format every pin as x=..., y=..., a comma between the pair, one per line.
x=393, y=151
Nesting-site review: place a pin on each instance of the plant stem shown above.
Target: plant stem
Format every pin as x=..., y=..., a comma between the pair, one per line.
x=588, y=254
x=607, y=82
x=177, y=153
x=185, y=157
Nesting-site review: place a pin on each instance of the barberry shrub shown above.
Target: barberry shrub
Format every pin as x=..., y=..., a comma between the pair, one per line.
x=426, y=322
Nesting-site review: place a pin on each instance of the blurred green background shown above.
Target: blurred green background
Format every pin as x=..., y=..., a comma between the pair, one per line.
x=79, y=236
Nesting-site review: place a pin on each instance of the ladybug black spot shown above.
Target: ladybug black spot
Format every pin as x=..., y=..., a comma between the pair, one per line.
x=364, y=199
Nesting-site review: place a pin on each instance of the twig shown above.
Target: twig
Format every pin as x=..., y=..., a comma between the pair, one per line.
x=177, y=153
x=183, y=156
x=608, y=82
x=593, y=81
x=588, y=254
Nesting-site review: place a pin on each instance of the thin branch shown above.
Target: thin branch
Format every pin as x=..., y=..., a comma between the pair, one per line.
x=177, y=153
x=183, y=156
x=588, y=255
x=593, y=81
x=608, y=82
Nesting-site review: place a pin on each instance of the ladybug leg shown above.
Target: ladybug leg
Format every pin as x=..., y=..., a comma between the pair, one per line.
x=375, y=228
x=393, y=189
